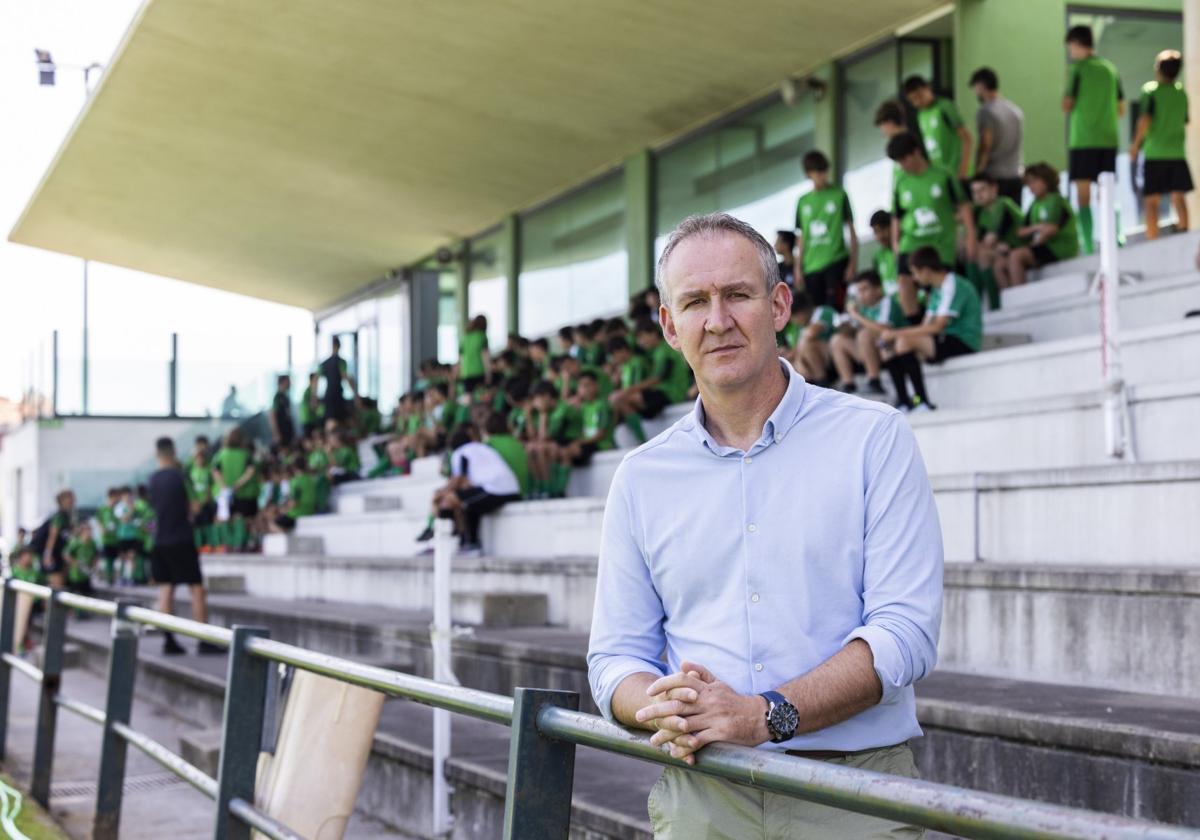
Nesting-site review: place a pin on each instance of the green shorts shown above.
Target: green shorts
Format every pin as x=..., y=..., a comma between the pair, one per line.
x=685, y=805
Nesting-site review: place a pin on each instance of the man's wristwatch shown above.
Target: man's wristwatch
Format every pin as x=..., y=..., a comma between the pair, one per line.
x=782, y=717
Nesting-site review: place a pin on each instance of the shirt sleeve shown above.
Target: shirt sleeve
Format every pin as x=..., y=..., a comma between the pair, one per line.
x=847, y=210
x=950, y=114
x=456, y=463
x=627, y=622
x=902, y=561
x=1073, y=81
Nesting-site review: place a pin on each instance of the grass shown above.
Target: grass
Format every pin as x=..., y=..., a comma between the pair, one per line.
x=33, y=821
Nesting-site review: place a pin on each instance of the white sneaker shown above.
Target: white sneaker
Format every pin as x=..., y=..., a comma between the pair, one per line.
x=922, y=407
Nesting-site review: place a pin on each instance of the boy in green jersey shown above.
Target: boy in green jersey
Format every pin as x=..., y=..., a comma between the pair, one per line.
x=596, y=416
x=108, y=533
x=301, y=498
x=498, y=436
x=309, y=409
x=1161, y=128
x=80, y=555
x=1094, y=102
x=344, y=464
x=130, y=541
x=198, y=473
x=635, y=398
x=669, y=371
x=826, y=244
x=234, y=475
x=785, y=249
x=871, y=312
x=927, y=201
x=953, y=326
x=813, y=327
x=884, y=259
x=473, y=358
x=997, y=219
x=547, y=429
x=947, y=140
x=1049, y=228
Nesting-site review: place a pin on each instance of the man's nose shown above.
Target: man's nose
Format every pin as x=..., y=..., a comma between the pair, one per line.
x=720, y=319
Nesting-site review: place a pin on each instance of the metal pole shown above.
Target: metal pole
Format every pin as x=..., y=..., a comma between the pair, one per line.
x=8, y=613
x=541, y=770
x=47, y=722
x=443, y=671
x=173, y=376
x=1110, y=347
x=85, y=336
x=118, y=706
x=54, y=373
x=241, y=731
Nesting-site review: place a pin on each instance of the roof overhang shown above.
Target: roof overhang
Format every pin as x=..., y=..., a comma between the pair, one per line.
x=295, y=151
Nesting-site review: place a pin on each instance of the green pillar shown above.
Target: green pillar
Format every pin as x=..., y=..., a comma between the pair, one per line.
x=639, y=220
x=464, y=278
x=510, y=259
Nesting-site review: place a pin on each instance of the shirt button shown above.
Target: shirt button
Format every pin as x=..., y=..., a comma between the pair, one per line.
x=758, y=666
x=749, y=459
x=754, y=597
x=778, y=438
x=751, y=527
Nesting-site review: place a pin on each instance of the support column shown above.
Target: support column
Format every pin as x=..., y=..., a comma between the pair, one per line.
x=825, y=117
x=510, y=260
x=464, y=279
x=639, y=220
x=1191, y=84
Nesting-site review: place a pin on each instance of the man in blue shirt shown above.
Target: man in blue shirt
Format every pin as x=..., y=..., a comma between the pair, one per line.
x=781, y=544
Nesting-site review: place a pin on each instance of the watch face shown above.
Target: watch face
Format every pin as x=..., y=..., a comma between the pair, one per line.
x=784, y=719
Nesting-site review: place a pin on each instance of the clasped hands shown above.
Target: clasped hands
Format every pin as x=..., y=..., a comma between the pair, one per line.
x=692, y=708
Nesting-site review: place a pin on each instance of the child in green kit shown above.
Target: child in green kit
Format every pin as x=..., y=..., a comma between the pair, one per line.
x=498, y=436
x=870, y=311
x=1048, y=231
x=1161, y=130
x=80, y=554
x=597, y=419
x=947, y=141
x=826, y=244
x=108, y=533
x=301, y=498
x=200, y=492
x=473, y=358
x=997, y=222
x=234, y=474
x=129, y=536
x=815, y=327
x=884, y=258
x=344, y=464
x=633, y=400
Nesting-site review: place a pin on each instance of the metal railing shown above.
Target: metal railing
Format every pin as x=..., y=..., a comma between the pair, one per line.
x=546, y=727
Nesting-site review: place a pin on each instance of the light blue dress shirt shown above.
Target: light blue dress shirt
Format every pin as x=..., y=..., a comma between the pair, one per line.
x=760, y=565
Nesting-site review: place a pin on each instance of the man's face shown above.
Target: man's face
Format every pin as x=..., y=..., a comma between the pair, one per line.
x=721, y=316
x=913, y=164
x=981, y=92
x=868, y=294
x=819, y=178
x=923, y=276
x=920, y=98
x=983, y=193
x=883, y=235
x=1076, y=52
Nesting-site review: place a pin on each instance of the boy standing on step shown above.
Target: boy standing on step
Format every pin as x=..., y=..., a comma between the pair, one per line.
x=1160, y=136
x=1094, y=102
x=826, y=244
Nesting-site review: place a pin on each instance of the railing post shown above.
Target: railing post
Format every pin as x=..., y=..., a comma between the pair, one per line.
x=8, y=611
x=173, y=378
x=47, y=722
x=118, y=706
x=541, y=770
x=241, y=731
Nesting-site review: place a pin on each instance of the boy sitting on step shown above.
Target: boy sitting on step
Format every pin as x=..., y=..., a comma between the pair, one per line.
x=870, y=313
x=480, y=482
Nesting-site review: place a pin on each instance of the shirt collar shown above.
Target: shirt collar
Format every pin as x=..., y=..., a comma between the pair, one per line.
x=775, y=428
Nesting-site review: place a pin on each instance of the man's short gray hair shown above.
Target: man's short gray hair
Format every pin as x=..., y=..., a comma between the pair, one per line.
x=709, y=225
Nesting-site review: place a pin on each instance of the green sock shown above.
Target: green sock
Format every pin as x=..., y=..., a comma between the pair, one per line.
x=988, y=278
x=1117, y=222
x=975, y=278
x=634, y=422
x=560, y=475
x=1085, y=229
x=239, y=533
x=198, y=536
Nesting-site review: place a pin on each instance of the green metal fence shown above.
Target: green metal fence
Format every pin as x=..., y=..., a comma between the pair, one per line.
x=546, y=727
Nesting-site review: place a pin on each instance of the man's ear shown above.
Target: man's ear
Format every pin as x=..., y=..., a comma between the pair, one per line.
x=781, y=305
x=668, y=326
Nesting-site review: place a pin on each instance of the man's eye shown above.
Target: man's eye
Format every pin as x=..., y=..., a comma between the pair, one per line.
x=691, y=304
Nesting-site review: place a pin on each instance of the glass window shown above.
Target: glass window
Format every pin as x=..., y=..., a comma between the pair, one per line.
x=487, y=293
x=574, y=265
x=749, y=167
x=867, y=172
x=447, y=332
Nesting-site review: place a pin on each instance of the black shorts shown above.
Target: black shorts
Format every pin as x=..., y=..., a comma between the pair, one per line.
x=206, y=515
x=1010, y=187
x=470, y=383
x=949, y=346
x=244, y=507
x=1042, y=255
x=136, y=546
x=111, y=552
x=1087, y=164
x=586, y=451
x=176, y=564
x=653, y=403
x=1166, y=176
x=902, y=268
x=827, y=286
x=478, y=501
x=285, y=522
x=56, y=565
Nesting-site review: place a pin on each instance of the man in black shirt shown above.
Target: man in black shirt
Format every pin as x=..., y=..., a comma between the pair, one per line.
x=283, y=429
x=174, y=559
x=333, y=370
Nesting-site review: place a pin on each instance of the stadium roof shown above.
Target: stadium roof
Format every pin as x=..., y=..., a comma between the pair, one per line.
x=296, y=151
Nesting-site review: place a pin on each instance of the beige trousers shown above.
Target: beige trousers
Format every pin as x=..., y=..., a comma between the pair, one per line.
x=691, y=806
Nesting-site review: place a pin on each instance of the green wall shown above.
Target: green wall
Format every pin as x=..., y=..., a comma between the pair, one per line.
x=1022, y=40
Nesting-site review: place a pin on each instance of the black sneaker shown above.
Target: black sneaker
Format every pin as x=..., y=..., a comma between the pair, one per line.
x=426, y=535
x=874, y=386
x=209, y=649
x=172, y=647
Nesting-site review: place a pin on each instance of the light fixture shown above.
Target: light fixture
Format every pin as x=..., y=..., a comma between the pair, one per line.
x=46, y=68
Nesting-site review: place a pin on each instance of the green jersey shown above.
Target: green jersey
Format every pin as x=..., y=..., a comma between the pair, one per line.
x=790, y=335
x=598, y=420
x=108, y=525
x=884, y=263
x=821, y=219
x=939, y=125
x=958, y=301
x=199, y=482
x=302, y=493
x=1096, y=88
x=926, y=204
x=672, y=372
x=634, y=370
x=128, y=526
x=1167, y=107
x=826, y=318
x=513, y=453
x=231, y=462
x=470, y=354
x=566, y=423
x=518, y=420
x=888, y=311
x=318, y=460
x=305, y=410
x=29, y=575
x=1053, y=209
x=1002, y=217
x=346, y=457
x=83, y=557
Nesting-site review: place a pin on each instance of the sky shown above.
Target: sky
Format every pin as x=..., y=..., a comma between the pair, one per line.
x=223, y=337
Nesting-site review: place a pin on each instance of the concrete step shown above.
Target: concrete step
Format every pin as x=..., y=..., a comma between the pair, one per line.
x=373, y=503
x=550, y=528
x=1144, y=304
x=1163, y=353
x=1097, y=749
x=1123, y=515
x=282, y=545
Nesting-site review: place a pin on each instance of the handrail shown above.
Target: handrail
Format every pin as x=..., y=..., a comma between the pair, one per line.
x=96, y=606
x=84, y=710
x=467, y=701
x=39, y=592
x=210, y=633
x=190, y=773
x=260, y=822
x=20, y=665
x=931, y=804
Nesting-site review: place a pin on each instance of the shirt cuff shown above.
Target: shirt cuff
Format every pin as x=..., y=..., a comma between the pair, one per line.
x=611, y=672
x=889, y=661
